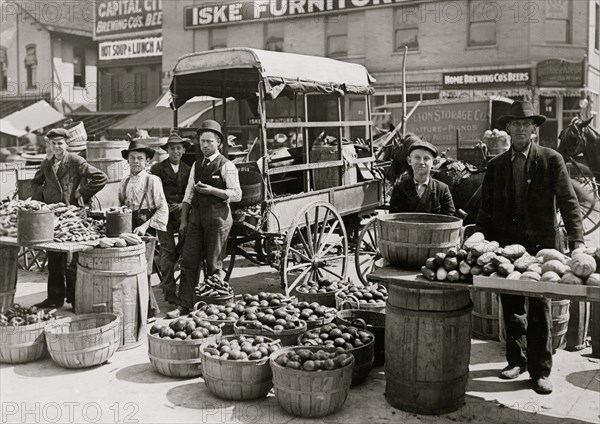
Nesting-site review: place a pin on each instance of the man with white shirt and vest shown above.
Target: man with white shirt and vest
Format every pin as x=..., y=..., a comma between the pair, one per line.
x=205, y=214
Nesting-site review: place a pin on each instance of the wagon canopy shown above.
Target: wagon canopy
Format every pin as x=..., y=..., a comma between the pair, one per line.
x=236, y=72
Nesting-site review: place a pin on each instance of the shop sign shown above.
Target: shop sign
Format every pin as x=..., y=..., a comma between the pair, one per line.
x=246, y=11
x=493, y=78
x=560, y=73
x=130, y=49
x=280, y=120
x=126, y=16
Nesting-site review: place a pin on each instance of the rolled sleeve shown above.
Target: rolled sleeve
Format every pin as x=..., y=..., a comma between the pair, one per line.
x=232, y=181
x=161, y=217
x=189, y=189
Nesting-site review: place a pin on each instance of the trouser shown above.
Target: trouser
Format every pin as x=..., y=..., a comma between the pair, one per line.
x=528, y=333
x=169, y=253
x=61, y=277
x=205, y=243
x=153, y=308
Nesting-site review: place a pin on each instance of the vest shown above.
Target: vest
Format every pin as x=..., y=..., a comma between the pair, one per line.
x=209, y=175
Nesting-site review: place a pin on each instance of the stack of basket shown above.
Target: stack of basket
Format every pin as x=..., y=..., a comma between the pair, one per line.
x=106, y=156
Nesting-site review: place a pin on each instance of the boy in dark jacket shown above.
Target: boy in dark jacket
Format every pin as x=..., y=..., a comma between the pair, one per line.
x=68, y=178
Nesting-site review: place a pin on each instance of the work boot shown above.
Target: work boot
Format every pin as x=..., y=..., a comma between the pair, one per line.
x=50, y=303
x=512, y=371
x=171, y=298
x=178, y=312
x=542, y=385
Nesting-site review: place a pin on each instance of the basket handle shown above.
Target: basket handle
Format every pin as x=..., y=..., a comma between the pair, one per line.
x=348, y=300
x=361, y=322
x=200, y=303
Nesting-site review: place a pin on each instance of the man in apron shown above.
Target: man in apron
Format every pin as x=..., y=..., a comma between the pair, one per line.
x=205, y=214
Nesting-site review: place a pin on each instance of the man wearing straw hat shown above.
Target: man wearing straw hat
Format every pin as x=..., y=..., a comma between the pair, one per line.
x=205, y=215
x=68, y=178
x=519, y=193
x=174, y=175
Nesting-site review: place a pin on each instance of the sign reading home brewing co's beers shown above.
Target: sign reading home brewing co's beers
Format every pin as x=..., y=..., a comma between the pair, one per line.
x=247, y=11
x=114, y=17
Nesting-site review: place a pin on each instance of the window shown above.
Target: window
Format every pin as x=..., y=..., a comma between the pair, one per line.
x=31, y=66
x=482, y=24
x=274, y=33
x=116, y=95
x=558, y=21
x=337, y=35
x=79, y=67
x=217, y=38
x=406, y=28
x=3, y=68
x=597, y=42
x=141, y=88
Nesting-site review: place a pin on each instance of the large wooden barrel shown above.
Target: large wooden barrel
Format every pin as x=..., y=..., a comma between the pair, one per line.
x=8, y=281
x=110, y=149
x=485, y=315
x=408, y=239
x=560, y=322
x=427, y=348
x=579, y=319
x=84, y=340
x=22, y=343
x=115, y=169
x=115, y=280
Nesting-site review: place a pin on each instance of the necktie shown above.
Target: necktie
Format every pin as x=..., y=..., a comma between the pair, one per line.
x=519, y=181
x=205, y=162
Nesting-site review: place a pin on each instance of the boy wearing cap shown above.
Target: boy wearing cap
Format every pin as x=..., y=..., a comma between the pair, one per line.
x=68, y=178
x=212, y=185
x=143, y=194
x=420, y=192
x=174, y=175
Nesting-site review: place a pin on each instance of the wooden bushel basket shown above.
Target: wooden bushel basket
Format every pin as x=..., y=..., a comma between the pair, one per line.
x=353, y=303
x=287, y=337
x=84, y=340
x=177, y=358
x=237, y=380
x=560, y=323
x=406, y=240
x=486, y=315
x=22, y=343
x=310, y=394
x=8, y=285
x=375, y=323
x=323, y=299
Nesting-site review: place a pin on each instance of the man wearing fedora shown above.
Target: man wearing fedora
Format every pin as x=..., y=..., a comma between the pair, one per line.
x=68, y=178
x=519, y=193
x=143, y=194
x=174, y=175
x=205, y=213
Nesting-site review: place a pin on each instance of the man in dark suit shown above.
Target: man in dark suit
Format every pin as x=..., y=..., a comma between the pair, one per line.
x=174, y=175
x=419, y=192
x=68, y=178
x=519, y=193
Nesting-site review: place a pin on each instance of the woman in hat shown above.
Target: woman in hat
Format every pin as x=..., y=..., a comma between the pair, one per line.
x=143, y=194
x=206, y=216
x=64, y=177
x=420, y=192
x=174, y=175
x=519, y=193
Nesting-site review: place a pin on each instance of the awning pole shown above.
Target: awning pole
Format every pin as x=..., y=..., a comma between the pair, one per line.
x=404, y=117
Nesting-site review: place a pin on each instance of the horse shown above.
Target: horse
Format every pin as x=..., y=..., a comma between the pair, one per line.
x=579, y=138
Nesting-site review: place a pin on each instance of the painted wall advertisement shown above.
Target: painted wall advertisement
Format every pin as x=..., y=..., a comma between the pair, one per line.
x=114, y=17
x=130, y=48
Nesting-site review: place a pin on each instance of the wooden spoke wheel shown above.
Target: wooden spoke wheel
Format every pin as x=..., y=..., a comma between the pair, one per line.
x=228, y=264
x=590, y=210
x=32, y=259
x=316, y=246
x=367, y=255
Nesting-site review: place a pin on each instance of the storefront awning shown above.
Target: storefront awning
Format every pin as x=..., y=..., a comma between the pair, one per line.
x=35, y=116
x=7, y=128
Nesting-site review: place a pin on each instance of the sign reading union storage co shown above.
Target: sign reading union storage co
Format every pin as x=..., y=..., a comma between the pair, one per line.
x=560, y=73
x=246, y=11
x=126, y=16
x=503, y=77
x=130, y=48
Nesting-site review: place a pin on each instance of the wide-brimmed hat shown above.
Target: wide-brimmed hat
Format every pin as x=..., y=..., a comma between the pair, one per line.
x=424, y=145
x=138, y=145
x=212, y=126
x=521, y=110
x=176, y=138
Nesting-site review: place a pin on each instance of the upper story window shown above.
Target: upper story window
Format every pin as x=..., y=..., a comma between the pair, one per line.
x=31, y=66
x=482, y=23
x=336, y=30
x=217, y=38
x=79, y=67
x=274, y=35
x=406, y=28
x=3, y=68
x=558, y=21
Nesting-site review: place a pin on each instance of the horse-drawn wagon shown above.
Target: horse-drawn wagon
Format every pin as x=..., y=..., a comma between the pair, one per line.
x=296, y=115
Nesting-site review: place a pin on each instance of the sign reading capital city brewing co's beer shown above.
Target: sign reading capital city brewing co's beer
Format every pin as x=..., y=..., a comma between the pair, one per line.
x=115, y=17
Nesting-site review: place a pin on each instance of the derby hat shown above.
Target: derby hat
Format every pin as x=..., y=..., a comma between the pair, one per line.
x=424, y=145
x=176, y=138
x=212, y=126
x=521, y=110
x=138, y=145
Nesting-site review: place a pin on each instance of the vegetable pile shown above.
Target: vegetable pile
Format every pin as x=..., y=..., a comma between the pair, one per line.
x=322, y=285
x=185, y=329
x=332, y=335
x=270, y=320
x=213, y=286
x=265, y=300
x=124, y=239
x=242, y=348
x=228, y=312
x=23, y=315
x=372, y=294
x=306, y=360
x=310, y=312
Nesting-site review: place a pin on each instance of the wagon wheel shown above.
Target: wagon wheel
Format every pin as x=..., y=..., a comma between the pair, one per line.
x=590, y=212
x=228, y=265
x=316, y=246
x=367, y=250
x=32, y=259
